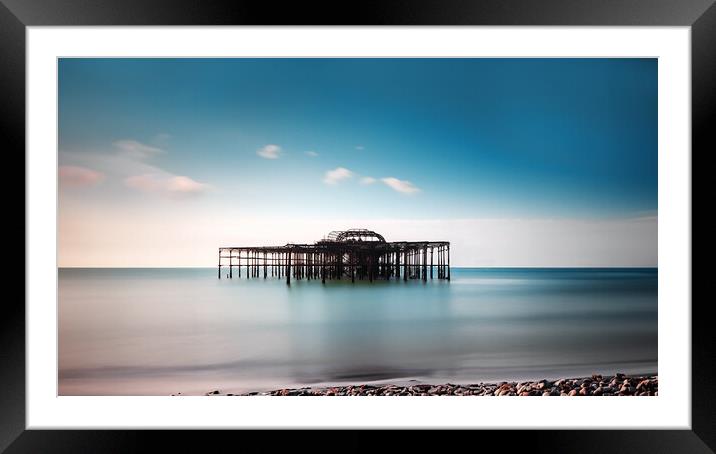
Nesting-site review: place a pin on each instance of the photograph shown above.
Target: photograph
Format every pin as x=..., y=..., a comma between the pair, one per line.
x=357, y=227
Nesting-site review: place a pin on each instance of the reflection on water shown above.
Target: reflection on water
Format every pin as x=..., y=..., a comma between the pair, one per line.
x=161, y=331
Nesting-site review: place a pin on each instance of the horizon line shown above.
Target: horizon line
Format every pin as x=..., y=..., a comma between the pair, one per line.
x=455, y=267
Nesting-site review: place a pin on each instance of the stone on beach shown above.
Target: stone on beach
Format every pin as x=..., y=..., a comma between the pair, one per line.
x=596, y=385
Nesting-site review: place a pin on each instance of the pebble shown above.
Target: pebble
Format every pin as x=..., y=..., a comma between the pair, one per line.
x=596, y=385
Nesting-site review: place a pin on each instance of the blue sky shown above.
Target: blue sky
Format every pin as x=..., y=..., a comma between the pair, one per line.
x=412, y=138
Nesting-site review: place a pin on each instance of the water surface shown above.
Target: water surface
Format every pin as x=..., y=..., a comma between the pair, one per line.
x=163, y=331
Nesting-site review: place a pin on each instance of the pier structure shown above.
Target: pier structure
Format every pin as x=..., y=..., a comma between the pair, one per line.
x=349, y=254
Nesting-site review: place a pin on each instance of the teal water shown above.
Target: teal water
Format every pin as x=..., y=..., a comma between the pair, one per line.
x=163, y=331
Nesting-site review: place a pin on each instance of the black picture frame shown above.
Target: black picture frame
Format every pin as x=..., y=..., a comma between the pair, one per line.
x=16, y=15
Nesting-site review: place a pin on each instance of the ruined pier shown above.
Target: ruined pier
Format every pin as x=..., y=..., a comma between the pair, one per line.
x=349, y=254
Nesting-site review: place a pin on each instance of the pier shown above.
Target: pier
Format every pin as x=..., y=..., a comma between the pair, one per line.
x=349, y=254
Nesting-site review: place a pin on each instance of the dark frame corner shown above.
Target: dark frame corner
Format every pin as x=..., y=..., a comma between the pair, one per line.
x=16, y=15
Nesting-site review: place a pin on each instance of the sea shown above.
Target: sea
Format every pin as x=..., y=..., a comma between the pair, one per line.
x=184, y=330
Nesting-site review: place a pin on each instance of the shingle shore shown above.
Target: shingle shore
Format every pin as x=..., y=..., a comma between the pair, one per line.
x=596, y=385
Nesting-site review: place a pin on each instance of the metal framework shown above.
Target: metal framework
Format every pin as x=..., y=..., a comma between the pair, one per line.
x=349, y=254
x=354, y=235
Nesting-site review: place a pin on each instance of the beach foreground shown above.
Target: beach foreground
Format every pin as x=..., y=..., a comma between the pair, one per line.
x=596, y=385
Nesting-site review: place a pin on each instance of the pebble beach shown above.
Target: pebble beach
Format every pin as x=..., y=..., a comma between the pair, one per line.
x=596, y=385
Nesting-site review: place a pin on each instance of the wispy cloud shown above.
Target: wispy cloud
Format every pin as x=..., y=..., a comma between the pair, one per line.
x=136, y=150
x=178, y=186
x=360, y=147
x=367, y=180
x=336, y=175
x=269, y=151
x=128, y=165
x=145, y=183
x=78, y=176
x=403, y=186
x=312, y=154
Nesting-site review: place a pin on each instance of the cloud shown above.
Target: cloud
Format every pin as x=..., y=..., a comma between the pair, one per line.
x=146, y=183
x=126, y=165
x=77, y=176
x=180, y=184
x=367, y=180
x=168, y=185
x=360, y=147
x=312, y=154
x=404, y=186
x=136, y=150
x=269, y=151
x=336, y=175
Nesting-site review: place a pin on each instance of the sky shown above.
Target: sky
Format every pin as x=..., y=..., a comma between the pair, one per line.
x=517, y=162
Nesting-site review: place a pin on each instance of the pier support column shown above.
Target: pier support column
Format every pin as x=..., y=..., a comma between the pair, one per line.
x=425, y=263
x=431, y=263
x=405, y=265
x=440, y=262
x=448, y=262
x=397, y=265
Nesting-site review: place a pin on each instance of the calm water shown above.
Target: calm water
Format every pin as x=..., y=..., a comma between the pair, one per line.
x=162, y=331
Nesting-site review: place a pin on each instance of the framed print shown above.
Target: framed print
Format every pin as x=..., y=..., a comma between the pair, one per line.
x=413, y=217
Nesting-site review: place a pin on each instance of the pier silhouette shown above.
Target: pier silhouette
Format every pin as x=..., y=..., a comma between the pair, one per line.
x=347, y=254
